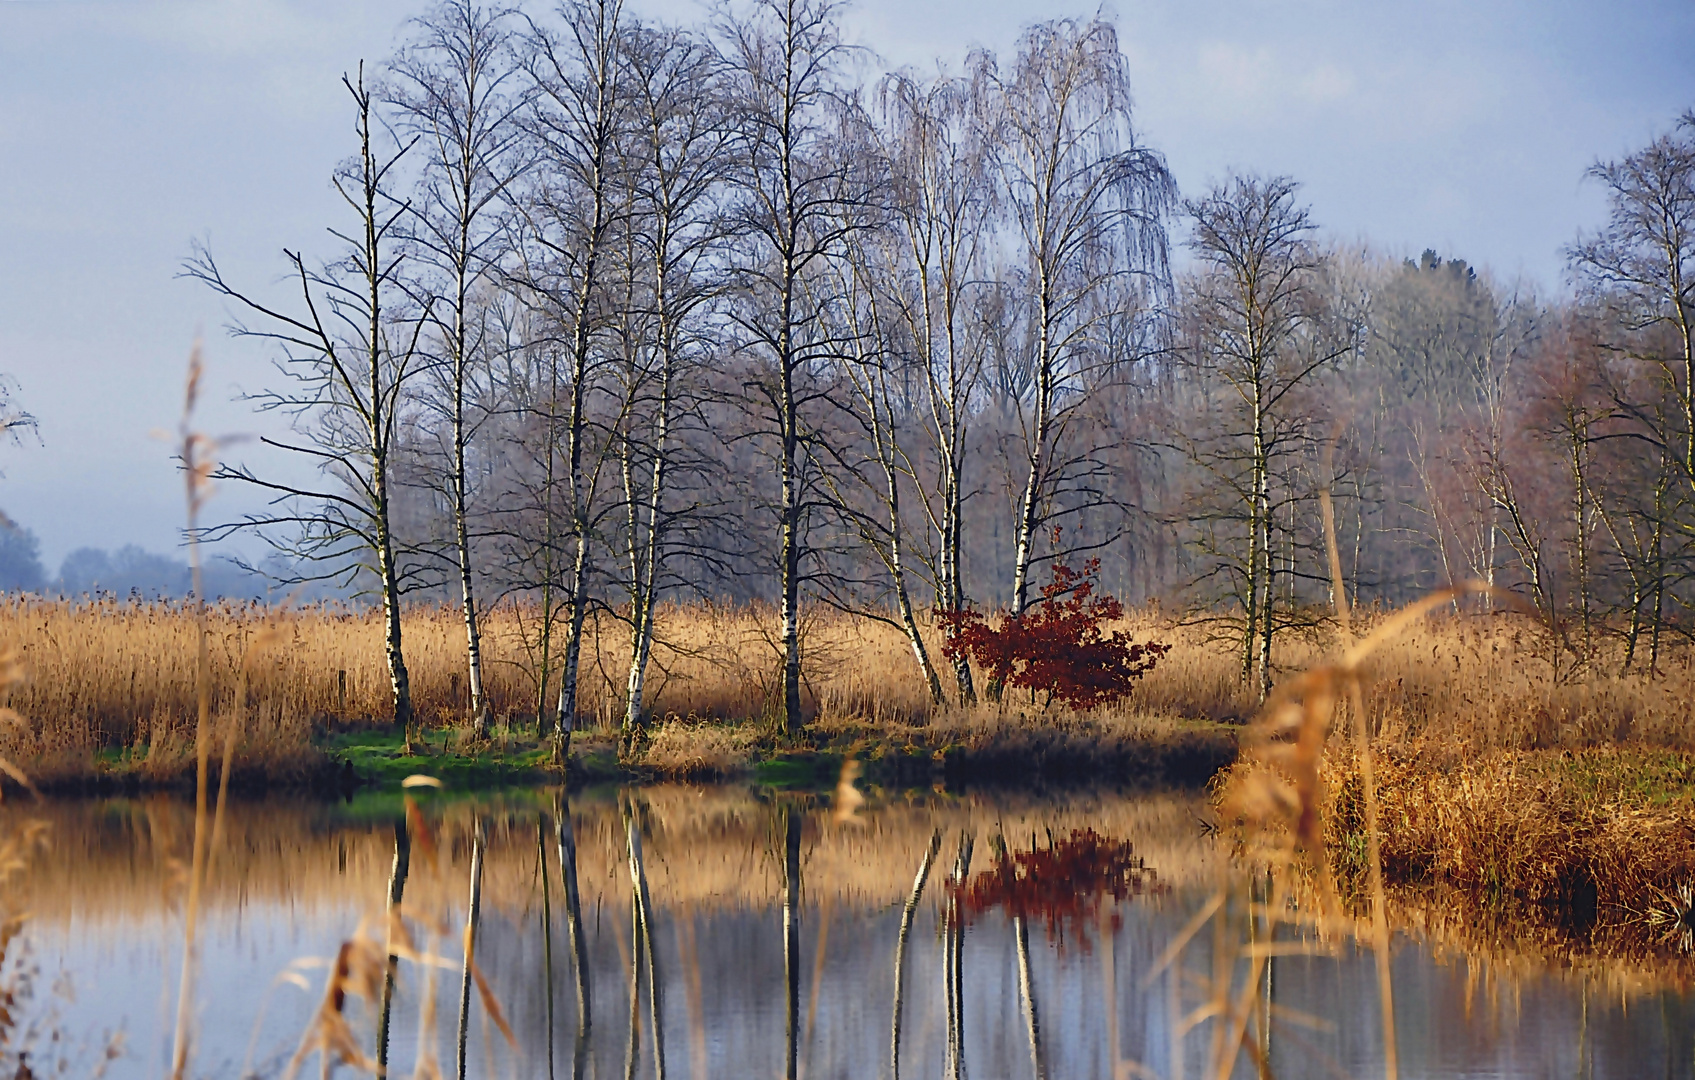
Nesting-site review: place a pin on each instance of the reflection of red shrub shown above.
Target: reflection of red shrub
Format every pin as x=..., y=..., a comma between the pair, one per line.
x=1057, y=646
x=1060, y=884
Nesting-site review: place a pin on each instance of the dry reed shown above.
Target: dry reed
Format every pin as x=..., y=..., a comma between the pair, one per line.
x=119, y=676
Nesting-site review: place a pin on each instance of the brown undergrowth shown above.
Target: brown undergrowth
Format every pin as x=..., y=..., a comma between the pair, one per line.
x=1580, y=842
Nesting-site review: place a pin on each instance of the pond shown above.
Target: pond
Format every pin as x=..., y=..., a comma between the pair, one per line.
x=931, y=935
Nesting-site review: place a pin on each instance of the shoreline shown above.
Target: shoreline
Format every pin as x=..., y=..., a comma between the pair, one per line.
x=1173, y=756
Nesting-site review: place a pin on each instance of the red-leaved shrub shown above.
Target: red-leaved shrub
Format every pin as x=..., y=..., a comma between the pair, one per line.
x=1057, y=646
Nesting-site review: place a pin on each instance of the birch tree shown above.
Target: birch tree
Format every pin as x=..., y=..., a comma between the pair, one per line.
x=576, y=123
x=350, y=353
x=1638, y=274
x=780, y=59
x=942, y=204
x=455, y=90
x=677, y=171
x=1087, y=204
x=874, y=463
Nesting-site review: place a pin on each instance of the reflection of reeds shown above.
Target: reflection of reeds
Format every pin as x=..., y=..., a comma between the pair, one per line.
x=1278, y=796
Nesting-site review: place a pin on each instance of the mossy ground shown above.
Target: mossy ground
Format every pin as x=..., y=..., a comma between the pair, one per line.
x=383, y=759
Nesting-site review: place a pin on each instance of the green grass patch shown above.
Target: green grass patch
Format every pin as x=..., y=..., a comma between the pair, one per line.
x=804, y=771
x=1630, y=777
x=379, y=759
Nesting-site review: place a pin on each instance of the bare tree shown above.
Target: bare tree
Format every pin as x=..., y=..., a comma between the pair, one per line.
x=349, y=354
x=1641, y=267
x=525, y=524
x=780, y=56
x=1637, y=273
x=678, y=169
x=577, y=123
x=873, y=462
x=454, y=90
x=1088, y=205
x=1258, y=334
x=942, y=203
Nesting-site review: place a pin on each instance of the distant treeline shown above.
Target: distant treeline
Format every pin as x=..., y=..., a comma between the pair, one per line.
x=128, y=571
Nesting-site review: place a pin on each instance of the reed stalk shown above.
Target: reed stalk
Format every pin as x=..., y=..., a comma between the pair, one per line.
x=194, y=451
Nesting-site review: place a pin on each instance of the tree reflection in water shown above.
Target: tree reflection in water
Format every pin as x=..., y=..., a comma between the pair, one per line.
x=1061, y=884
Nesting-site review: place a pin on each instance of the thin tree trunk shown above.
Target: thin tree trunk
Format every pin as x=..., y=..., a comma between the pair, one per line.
x=1027, y=514
x=472, y=913
x=643, y=616
x=381, y=431
x=791, y=942
x=396, y=890
x=567, y=842
x=547, y=613
x=565, y=721
x=601, y=136
x=461, y=526
x=400, y=682
x=546, y=936
x=1028, y=508
x=467, y=589
x=793, y=720
x=953, y=584
x=903, y=598
x=906, y=916
x=1262, y=542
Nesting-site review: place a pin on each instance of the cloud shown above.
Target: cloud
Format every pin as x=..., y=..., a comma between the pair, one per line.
x=1326, y=83
x=1238, y=78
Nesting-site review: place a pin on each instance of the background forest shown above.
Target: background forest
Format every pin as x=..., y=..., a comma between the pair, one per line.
x=625, y=313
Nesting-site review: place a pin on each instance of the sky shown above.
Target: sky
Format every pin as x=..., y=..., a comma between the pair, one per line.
x=131, y=128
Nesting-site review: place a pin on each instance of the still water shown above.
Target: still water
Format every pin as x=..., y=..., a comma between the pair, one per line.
x=1007, y=936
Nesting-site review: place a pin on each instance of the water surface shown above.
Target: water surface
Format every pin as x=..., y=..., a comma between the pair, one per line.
x=774, y=940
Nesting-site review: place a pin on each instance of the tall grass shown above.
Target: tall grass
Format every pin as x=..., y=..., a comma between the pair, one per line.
x=120, y=676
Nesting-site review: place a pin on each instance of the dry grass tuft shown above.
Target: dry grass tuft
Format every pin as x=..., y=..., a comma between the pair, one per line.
x=680, y=750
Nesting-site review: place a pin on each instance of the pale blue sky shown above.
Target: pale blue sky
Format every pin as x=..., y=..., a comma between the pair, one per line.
x=129, y=127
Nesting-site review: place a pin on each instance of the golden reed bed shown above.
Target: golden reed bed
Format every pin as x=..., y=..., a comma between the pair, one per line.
x=111, y=674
